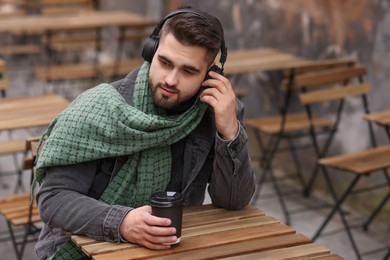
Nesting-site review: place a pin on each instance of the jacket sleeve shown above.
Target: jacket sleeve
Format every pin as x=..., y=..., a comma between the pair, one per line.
x=64, y=203
x=232, y=183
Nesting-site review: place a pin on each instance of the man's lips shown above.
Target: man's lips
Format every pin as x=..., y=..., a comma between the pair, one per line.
x=167, y=92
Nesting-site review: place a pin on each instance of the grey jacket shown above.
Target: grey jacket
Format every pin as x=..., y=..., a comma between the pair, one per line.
x=68, y=197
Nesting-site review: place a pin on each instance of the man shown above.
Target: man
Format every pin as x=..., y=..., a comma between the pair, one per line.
x=163, y=127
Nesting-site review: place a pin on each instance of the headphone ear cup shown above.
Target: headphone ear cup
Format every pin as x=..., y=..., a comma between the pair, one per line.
x=149, y=49
x=214, y=68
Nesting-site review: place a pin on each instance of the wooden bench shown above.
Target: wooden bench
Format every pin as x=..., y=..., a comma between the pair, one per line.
x=16, y=208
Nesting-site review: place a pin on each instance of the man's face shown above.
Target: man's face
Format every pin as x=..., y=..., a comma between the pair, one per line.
x=176, y=73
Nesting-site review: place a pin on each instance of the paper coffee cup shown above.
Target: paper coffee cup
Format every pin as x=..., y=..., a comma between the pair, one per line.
x=168, y=204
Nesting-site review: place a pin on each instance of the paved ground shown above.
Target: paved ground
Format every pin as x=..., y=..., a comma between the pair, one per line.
x=306, y=222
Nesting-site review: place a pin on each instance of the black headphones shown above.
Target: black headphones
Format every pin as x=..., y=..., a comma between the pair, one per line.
x=151, y=44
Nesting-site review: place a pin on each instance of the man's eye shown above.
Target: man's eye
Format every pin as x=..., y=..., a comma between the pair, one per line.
x=188, y=72
x=165, y=63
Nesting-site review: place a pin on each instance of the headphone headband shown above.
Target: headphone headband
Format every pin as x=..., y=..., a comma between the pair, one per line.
x=152, y=44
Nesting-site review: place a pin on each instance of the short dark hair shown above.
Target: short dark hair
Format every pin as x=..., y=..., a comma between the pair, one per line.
x=194, y=30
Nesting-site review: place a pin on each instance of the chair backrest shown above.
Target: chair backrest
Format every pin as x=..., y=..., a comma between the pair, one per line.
x=314, y=66
x=30, y=154
x=317, y=65
x=333, y=87
x=331, y=75
x=332, y=84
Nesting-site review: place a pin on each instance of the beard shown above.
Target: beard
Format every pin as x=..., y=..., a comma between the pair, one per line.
x=164, y=101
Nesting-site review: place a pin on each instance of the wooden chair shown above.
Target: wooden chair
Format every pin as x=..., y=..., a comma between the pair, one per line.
x=308, y=98
x=381, y=118
x=360, y=164
x=17, y=209
x=8, y=45
x=291, y=126
x=12, y=148
x=4, y=83
x=73, y=43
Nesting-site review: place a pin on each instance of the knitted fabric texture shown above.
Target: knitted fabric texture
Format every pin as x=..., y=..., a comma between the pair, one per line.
x=100, y=124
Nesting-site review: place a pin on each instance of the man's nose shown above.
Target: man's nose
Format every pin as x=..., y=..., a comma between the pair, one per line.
x=171, y=79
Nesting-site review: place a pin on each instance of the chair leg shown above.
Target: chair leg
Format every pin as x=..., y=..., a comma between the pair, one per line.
x=297, y=163
x=262, y=161
x=266, y=168
x=265, y=161
x=14, y=242
x=320, y=154
x=280, y=197
x=387, y=256
x=337, y=208
x=376, y=211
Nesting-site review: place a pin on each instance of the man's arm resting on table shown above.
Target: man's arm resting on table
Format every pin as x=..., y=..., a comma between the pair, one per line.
x=63, y=203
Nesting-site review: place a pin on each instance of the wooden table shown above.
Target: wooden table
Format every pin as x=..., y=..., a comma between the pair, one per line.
x=210, y=232
x=27, y=112
x=381, y=118
x=76, y=21
x=266, y=59
x=260, y=60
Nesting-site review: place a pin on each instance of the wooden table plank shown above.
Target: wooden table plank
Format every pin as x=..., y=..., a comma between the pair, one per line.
x=242, y=247
x=327, y=257
x=32, y=101
x=296, y=252
x=74, y=21
x=381, y=117
x=27, y=112
x=203, y=241
x=363, y=162
x=219, y=215
x=197, y=230
x=96, y=247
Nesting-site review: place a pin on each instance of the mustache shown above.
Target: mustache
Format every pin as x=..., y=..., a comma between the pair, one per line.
x=168, y=87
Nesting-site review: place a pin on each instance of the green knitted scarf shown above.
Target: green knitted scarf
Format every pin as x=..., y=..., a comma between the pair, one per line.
x=100, y=124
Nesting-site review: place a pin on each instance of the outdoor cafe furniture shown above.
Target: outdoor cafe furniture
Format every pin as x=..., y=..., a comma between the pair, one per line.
x=285, y=68
x=4, y=83
x=93, y=21
x=25, y=113
x=373, y=161
x=213, y=233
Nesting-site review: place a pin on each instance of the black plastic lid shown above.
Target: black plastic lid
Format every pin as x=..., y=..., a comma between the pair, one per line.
x=165, y=199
